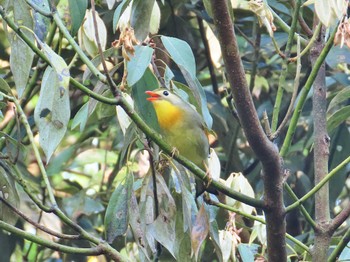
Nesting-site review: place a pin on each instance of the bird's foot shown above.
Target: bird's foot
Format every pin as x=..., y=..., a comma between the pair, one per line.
x=174, y=152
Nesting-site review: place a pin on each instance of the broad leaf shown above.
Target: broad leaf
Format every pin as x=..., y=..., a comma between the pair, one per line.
x=77, y=10
x=21, y=55
x=117, y=213
x=52, y=112
x=144, y=107
x=138, y=64
x=199, y=231
x=342, y=96
x=9, y=193
x=181, y=53
x=81, y=117
x=337, y=118
x=118, y=13
x=141, y=12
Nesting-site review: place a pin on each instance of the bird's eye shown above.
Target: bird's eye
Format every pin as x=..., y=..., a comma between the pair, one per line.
x=166, y=93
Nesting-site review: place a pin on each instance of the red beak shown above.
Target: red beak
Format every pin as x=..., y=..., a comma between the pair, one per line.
x=153, y=96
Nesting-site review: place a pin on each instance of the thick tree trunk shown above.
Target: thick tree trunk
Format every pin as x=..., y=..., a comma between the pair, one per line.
x=266, y=152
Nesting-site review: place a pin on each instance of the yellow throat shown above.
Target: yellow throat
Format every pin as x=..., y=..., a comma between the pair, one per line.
x=168, y=115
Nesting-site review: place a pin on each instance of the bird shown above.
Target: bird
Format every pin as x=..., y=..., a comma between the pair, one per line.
x=183, y=128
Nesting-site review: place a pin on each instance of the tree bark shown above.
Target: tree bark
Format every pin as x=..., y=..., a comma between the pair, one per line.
x=321, y=153
x=266, y=152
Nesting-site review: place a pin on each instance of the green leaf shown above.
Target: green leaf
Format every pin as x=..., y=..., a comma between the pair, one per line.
x=199, y=231
x=9, y=193
x=21, y=58
x=337, y=118
x=180, y=53
x=144, y=107
x=77, y=10
x=41, y=22
x=4, y=87
x=81, y=117
x=117, y=213
x=138, y=64
x=118, y=12
x=340, y=97
x=247, y=251
x=59, y=65
x=141, y=12
x=79, y=204
x=52, y=112
x=41, y=6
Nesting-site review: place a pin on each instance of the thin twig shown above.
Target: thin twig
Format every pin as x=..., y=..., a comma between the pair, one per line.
x=211, y=69
x=113, y=87
x=37, y=225
x=294, y=96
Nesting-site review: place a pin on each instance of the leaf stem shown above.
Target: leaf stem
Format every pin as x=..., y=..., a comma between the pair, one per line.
x=297, y=111
x=282, y=78
x=319, y=185
x=254, y=218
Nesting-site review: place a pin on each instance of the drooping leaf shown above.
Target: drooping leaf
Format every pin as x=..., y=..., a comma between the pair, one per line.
x=155, y=19
x=4, y=87
x=123, y=119
x=81, y=204
x=81, y=117
x=136, y=226
x=9, y=193
x=199, y=231
x=41, y=22
x=144, y=107
x=59, y=65
x=118, y=13
x=181, y=53
x=337, y=118
x=21, y=57
x=163, y=228
x=138, y=63
x=77, y=10
x=342, y=96
x=117, y=213
x=239, y=183
x=247, y=252
x=40, y=5
x=141, y=12
x=52, y=112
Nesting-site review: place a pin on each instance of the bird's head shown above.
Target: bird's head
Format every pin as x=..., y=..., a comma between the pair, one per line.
x=164, y=95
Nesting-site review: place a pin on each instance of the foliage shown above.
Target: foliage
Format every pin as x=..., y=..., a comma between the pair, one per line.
x=82, y=164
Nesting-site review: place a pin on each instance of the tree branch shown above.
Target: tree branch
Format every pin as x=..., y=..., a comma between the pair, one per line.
x=263, y=148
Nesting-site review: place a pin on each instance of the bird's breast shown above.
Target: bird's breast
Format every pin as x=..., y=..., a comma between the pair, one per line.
x=169, y=116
